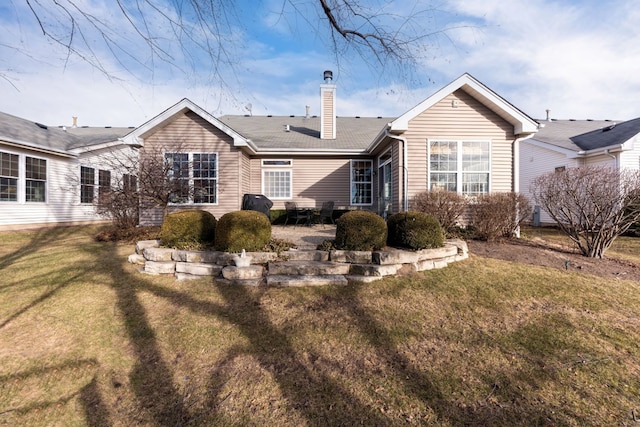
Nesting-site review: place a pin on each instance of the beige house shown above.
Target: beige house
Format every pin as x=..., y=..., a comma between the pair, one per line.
x=463, y=138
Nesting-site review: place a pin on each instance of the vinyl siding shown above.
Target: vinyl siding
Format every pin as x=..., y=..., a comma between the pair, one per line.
x=536, y=161
x=191, y=133
x=469, y=120
x=314, y=180
x=62, y=205
x=631, y=159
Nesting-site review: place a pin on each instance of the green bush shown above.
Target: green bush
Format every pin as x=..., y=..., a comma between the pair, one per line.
x=360, y=231
x=414, y=230
x=190, y=229
x=238, y=230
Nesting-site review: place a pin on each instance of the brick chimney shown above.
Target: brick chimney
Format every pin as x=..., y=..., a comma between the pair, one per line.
x=328, y=107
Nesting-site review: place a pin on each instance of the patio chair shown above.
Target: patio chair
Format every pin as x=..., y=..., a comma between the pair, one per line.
x=293, y=213
x=326, y=212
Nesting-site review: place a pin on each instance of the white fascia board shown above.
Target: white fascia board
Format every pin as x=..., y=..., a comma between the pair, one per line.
x=29, y=146
x=314, y=152
x=522, y=124
x=137, y=136
x=571, y=154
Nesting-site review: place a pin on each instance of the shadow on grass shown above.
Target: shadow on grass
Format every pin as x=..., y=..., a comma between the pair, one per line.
x=38, y=240
x=311, y=393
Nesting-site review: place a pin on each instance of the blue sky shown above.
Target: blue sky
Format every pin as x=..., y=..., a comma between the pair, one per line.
x=580, y=59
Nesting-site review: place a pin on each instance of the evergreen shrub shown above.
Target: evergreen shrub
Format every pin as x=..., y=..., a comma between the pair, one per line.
x=238, y=230
x=414, y=230
x=188, y=229
x=360, y=231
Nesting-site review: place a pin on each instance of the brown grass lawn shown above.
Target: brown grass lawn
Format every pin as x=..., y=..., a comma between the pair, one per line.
x=87, y=340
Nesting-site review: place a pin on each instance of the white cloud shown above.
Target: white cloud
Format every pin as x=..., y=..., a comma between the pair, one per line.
x=579, y=60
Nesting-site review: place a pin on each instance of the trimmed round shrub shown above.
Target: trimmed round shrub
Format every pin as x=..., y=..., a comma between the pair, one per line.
x=415, y=230
x=238, y=230
x=360, y=231
x=190, y=229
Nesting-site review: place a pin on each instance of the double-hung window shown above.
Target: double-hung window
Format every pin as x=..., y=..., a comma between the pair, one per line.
x=192, y=177
x=461, y=166
x=22, y=178
x=277, y=179
x=361, y=182
x=87, y=184
x=9, y=174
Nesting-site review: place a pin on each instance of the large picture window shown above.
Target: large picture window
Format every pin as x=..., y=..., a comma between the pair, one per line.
x=361, y=182
x=461, y=166
x=193, y=177
x=9, y=177
x=277, y=178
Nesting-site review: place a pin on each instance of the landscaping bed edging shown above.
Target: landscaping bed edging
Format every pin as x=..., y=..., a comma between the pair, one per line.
x=293, y=267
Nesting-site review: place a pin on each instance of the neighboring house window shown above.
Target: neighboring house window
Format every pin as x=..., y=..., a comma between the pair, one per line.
x=461, y=166
x=8, y=177
x=193, y=177
x=361, y=182
x=36, y=179
x=129, y=183
x=277, y=181
x=87, y=184
x=104, y=182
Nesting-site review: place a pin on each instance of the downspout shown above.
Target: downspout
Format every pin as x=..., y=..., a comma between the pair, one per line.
x=405, y=169
x=614, y=157
x=516, y=170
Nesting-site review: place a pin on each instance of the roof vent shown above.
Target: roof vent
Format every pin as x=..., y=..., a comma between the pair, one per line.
x=287, y=128
x=328, y=76
x=608, y=128
x=40, y=125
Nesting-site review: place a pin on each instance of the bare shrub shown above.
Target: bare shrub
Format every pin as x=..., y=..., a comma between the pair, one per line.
x=498, y=215
x=592, y=205
x=446, y=206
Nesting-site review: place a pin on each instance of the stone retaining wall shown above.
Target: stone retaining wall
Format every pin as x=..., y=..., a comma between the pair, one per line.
x=293, y=267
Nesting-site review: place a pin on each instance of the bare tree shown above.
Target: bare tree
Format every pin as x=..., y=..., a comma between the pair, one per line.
x=593, y=205
x=189, y=32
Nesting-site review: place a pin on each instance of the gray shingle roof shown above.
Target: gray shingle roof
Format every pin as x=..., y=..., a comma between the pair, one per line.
x=269, y=133
x=561, y=132
x=25, y=132
x=613, y=134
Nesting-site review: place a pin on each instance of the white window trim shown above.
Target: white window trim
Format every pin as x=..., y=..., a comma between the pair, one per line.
x=21, y=188
x=23, y=167
x=95, y=182
x=288, y=161
x=190, y=154
x=459, y=172
x=270, y=169
x=383, y=163
x=351, y=182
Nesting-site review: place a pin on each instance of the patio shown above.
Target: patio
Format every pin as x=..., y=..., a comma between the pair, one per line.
x=303, y=236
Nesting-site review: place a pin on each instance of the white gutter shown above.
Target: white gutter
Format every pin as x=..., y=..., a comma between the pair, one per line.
x=405, y=169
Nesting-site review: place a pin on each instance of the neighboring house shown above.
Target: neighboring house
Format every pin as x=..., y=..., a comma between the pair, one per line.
x=52, y=175
x=561, y=144
x=463, y=138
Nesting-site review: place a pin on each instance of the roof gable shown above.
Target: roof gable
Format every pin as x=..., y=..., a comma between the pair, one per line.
x=179, y=108
x=522, y=123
